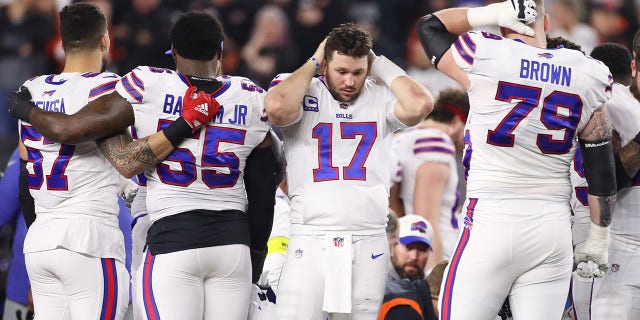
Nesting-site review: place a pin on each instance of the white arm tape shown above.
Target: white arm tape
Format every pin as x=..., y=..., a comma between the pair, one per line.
x=385, y=70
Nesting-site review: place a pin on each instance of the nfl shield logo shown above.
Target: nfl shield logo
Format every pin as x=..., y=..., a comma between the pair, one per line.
x=298, y=254
x=338, y=242
x=344, y=106
x=615, y=267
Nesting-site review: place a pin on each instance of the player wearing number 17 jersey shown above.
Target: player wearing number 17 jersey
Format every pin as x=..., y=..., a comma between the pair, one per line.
x=527, y=104
x=337, y=132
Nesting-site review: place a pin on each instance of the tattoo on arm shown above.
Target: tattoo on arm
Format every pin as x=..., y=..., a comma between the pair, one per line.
x=599, y=127
x=606, y=205
x=127, y=156
x=630, y=157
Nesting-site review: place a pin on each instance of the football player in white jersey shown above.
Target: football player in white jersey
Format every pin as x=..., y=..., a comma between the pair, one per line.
x=429, y=184
x=196, y=197
x=616, y=294
x=527, y=104
x=337, y=134
x=74, y=251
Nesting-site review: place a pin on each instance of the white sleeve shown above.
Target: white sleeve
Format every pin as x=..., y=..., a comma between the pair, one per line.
x=104, y=84
x=624, y=112
x=464, y=49
x=132, y=85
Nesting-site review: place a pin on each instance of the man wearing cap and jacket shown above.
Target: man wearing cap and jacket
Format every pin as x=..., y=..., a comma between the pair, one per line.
x=407, y=294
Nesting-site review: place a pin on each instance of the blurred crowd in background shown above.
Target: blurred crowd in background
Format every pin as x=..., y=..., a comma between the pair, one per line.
x=263, y=38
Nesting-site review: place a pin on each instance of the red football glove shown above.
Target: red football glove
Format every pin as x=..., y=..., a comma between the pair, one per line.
x=198, y=109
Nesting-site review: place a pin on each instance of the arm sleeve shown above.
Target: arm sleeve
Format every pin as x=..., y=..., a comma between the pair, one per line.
x=26, y=200
x=259, y=179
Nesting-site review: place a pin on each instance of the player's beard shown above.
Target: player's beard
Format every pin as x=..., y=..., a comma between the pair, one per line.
x=337, y=93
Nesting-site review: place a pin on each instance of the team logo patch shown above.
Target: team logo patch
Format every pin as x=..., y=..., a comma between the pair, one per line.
x=468, y=223
x=545, y=55
x=615, y=267
x=344, y=105
x=420, y=226
x=338, y=242
x=298, y=253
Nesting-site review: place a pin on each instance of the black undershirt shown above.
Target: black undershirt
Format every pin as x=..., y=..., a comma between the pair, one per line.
x=198, y=229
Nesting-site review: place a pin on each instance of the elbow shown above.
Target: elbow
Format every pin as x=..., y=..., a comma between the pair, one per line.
x=127, y=174
x=422, y=105
x=274, y=106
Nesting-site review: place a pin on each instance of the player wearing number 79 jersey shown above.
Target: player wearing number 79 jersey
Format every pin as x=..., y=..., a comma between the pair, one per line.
x=527, y=105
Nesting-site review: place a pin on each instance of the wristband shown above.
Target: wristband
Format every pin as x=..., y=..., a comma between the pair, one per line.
x=315, y=61
x=598, y=237
x=385, y=70
x=177, y=131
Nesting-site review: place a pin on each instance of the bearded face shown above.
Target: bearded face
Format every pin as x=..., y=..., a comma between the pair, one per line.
x=345, y=76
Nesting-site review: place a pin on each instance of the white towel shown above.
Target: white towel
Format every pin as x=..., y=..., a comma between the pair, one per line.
x=337, y=281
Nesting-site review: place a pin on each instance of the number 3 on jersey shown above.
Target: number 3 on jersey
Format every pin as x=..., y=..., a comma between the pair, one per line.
x=560, y=111
x=348, y=130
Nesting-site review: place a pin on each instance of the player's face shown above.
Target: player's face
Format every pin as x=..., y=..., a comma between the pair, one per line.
x=345, y=76
x=411, y=259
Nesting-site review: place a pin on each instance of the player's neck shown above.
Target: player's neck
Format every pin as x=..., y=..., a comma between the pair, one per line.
x=200, y=69
x=83, y=62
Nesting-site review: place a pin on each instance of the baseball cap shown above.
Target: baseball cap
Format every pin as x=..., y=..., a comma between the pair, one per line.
x=414, y=228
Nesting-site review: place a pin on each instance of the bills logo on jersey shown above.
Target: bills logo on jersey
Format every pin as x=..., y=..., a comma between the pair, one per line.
x=615, y=267
x=545, y=55
x=420, y=226
x=338, y=242
x=310, y=103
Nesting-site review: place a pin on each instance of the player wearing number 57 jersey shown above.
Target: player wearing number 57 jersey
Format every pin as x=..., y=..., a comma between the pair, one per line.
x=74, y=251
x=337, y=132
x=527, y=104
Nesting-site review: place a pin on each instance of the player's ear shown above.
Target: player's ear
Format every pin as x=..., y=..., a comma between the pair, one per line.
x=546, y=22
x=104, y=41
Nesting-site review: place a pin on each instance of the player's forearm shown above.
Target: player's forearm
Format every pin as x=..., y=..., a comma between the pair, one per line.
x=132, y=157
x=601, y=209
x=455, y=20
x=283, y=102
x=102, y=117
x=415, y=102
x=630, y=158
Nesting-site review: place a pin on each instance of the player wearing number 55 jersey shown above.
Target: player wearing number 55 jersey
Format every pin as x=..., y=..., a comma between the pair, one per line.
x=337, y=132
x=527, y=104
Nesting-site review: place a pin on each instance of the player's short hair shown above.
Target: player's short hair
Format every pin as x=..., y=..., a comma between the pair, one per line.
x=197, y=36
x=82, y=26
x=560, y=42
x=450, y=103
x=618, y=58
x=348, y=39
x=636, y=45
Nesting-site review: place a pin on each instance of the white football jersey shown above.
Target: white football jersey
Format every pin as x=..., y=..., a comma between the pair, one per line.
x=624, y=112
x=414, y=148
x=206, y=170
x=74, y=186
x=525, y=114
x=338, y=158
